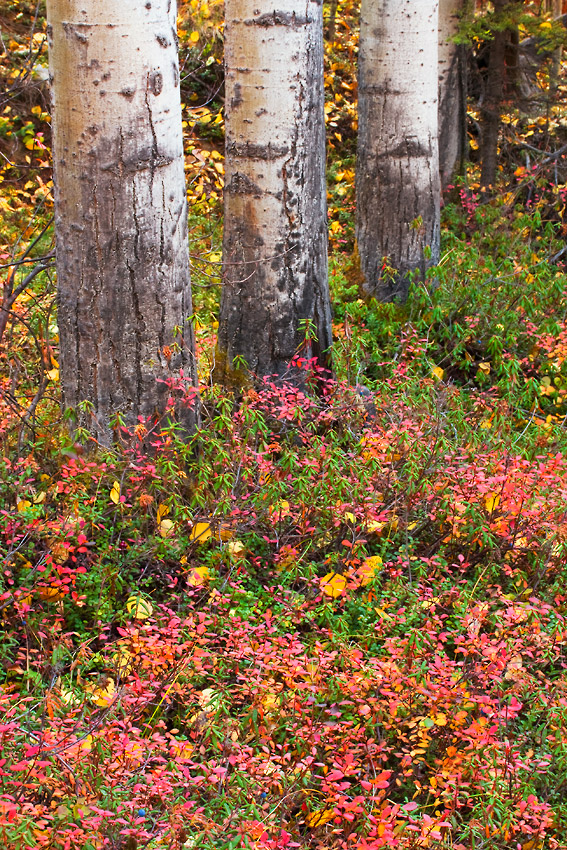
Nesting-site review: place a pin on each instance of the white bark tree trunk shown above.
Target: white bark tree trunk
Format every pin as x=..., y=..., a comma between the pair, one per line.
x=452, y=91
x=121, y=211
x=275, y=225
x=397, y=175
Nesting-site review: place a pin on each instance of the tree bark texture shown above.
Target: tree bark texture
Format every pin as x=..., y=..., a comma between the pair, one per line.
x=499, y=82
x=397, y=175
x=275, y=209
x=452, y=92
x=121, y=209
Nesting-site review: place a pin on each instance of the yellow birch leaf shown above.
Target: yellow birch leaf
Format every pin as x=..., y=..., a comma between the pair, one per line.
x=103, y=696
x=53, y=375
x=23, y=504
x=162, y=512
x=115, y=492
x=375, y=527
x=194, y=37
x=139, y=607
x=166, y=527
x=226, y=532
x=319, y=818
x=350, y=517
x=484, y=368
x=438, y=373
x=369, y=569
x=201, y=532
x=333, y=585
x=236, y=548
x=491, y=501
x=123, y=661
x=197, y=577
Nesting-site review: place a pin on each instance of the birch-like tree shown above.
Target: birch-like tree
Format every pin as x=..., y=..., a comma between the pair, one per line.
x=124, y=294
x=452, y=91
x=275, y=297
x=397, y=177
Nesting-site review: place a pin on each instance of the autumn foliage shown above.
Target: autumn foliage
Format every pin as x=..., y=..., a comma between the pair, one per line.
x=337, y=616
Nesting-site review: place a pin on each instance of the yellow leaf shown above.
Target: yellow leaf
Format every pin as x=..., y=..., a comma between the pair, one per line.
x=53, y=375
x=122, y=660
x=115, y=492
x=270, y=701
x=333, y=585
x=375, y=527
x=236, y=548
x=201, y=532
x=23, y=504
x=68, y=696
x=194, y=37
x=197, y=577
x=162, y=512
x=438, y=373
x=369, y=569
x=484, y=368
x=319, y=817
x=226, y=532
x=139, y=607
x=381, y=528
x=491, y=501
x=103, y=696
x=209, y=699
x=485, y=424
x=349, y=517
x=51, y=594
x=166, y=527
x=281, y=509
x=440, y=719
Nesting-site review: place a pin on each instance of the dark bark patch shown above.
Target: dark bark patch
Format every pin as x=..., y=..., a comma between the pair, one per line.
x=75, y=30
x=241, y=184
x=410, y=148
x=236, y=100
x=128, y=92
x=156, y=83
x=278, y=18
x=163, y=41
x=250, y=150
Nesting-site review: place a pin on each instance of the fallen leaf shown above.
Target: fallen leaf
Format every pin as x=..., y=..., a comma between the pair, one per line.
x=491, y=501
x=369, y=569
x=166, y=527
x=201, y=532
x=319, y=817
x=333, y=585
x=139, y=607
x=115, y=492
x=197, y=577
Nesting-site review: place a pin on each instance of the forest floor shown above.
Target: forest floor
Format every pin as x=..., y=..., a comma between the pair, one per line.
x=331, y=620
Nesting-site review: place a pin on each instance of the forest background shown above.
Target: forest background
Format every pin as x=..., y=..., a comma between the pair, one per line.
x=328, y=620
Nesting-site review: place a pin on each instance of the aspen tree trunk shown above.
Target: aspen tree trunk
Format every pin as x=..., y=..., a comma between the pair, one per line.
x=397, y=177
x=554, y=7
x=452, y=92
x=120, y=208
x=275, y=219
x=501, y=77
